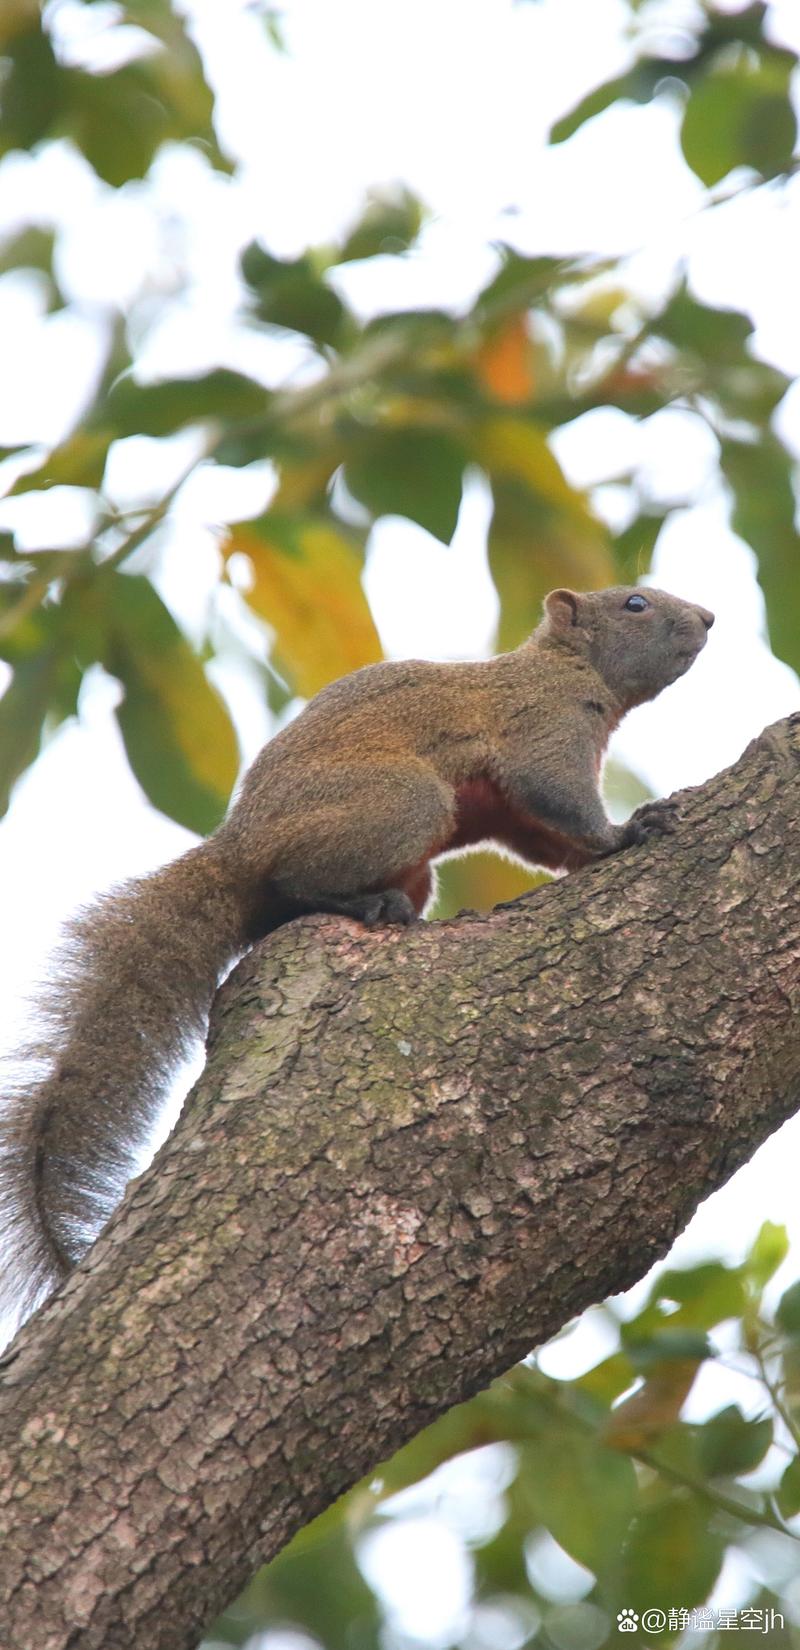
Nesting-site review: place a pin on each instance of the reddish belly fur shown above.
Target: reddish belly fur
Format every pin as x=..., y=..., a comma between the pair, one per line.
x=484, y=814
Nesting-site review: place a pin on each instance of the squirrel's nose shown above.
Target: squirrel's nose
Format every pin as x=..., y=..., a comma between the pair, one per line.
x=707, y=618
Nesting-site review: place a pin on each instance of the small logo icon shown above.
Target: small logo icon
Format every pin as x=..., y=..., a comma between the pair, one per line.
x=627, y=1621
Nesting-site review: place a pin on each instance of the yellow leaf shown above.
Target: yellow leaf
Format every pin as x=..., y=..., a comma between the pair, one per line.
x=478, y=882
x=657, y=1405
x=598, y=305
x=303, y=482
x=543, y=533
x=307, y=585
x=518, y=449
x=17, y=16
x=78, y=462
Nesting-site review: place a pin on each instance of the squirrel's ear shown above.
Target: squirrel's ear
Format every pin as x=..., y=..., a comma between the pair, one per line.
x=561, y=607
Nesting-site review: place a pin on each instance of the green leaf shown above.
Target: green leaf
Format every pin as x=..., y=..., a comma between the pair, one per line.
x=315, y=1582
x=623, y=790
x=410, y=472
x=664, y=1345
x=176, y=728
x=32, y=89
x=32, y=248
x=634, y=546
x=767, y=1253
x=760, y=475
x=714, y=351
x=131, y=408
x=292, y=294
x=43, y=688
x=118, y=119
x=788, y=1492
x=728, y=1444
x=787, y=1312
x=738, y=111
x=609, y=1379
x=637, y=85
x=178, y=79
x=740, y=114
x=743, y=25
x=429, y=332
x=390, y=223
x=520, y=282
x=245, y=444
x=272, y=19
x=672, y=1556
x=718, y=336
x=706, y=1295
x=23, y=708
x=584, y=1494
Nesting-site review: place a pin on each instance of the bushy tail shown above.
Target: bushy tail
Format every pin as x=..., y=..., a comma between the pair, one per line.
x=129, y=992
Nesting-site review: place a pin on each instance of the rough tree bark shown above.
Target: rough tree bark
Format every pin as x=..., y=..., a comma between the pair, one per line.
x=412, y=1156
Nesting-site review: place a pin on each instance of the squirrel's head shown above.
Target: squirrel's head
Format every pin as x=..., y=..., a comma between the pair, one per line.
x=637, y=640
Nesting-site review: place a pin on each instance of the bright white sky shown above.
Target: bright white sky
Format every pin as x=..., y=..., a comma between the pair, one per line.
x=455, y=100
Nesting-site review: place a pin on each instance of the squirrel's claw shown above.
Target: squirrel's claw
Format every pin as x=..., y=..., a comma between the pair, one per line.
x=652, y=819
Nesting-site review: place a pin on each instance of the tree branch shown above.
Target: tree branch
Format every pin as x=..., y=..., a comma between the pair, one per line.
x=411, y=1156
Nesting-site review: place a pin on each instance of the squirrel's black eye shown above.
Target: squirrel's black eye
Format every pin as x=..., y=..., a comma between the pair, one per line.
x=636, y=604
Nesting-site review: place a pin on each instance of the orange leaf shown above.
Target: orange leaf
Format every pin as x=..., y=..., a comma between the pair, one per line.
x=505, y=363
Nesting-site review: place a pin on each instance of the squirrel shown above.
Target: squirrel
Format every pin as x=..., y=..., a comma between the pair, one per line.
x=345, y=810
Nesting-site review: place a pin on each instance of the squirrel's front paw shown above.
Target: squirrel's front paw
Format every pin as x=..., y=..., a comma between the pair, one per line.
x=652, y=819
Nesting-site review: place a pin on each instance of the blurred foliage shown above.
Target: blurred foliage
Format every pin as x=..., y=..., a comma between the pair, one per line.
x=391, y=417
x=733, y=80
x=117, y=119
x=387, y=418
x=571, y=1500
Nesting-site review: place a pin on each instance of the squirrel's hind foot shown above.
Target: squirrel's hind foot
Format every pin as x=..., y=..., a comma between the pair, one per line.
x=391, y=908
x=387, y=908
